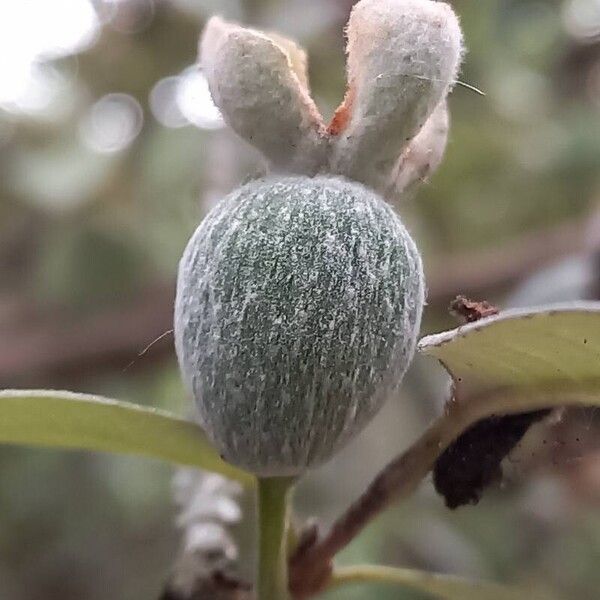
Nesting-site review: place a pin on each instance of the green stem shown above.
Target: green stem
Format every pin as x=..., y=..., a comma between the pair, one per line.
x=272, y=580
x=449, y=587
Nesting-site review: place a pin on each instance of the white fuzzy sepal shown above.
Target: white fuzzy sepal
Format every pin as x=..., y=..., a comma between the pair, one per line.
x=403, y=58
x=422, y=157
x=260, y=85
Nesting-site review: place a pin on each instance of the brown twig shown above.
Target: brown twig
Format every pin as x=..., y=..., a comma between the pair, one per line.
x=310, y=568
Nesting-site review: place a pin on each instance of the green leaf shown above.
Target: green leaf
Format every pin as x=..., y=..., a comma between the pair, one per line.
x=444, y=587
x=524, y=347
x=80, y=421
x=522, y=360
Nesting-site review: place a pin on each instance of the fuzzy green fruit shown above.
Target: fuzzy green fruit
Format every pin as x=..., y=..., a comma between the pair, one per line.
x=298, y=305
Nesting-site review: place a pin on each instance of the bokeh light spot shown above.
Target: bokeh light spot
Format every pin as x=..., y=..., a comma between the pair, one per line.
x=112, y=123
x=185, y=99
x=582, y=19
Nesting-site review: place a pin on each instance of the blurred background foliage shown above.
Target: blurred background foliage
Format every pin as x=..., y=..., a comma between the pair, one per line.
x=110, y=153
